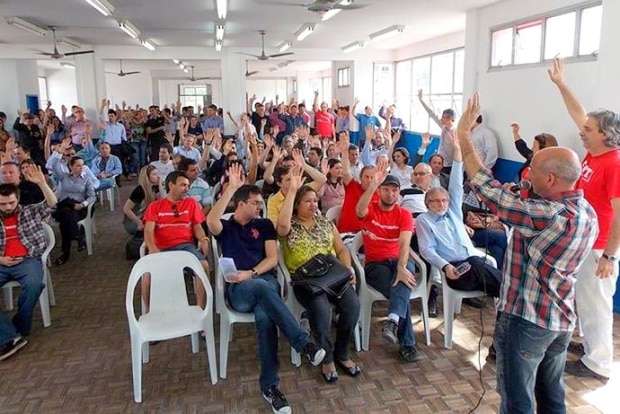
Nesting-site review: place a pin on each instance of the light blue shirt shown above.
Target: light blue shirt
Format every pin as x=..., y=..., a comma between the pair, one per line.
x=200, y=191
x=78, y=188
x=191, y=153
x=56, y=164
x=113, y=166
x=214, y=121
x=364, y=121
x=369, y=155
x=442, y=238
x=115, y=133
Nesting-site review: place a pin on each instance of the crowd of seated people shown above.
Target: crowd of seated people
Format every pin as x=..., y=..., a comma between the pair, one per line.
x=279, y=174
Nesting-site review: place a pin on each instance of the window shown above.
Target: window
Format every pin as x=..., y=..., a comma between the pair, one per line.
x=195, y=95
x=344, y=77
x=569, y=34
x=439, y=76
x=43, y=96
x=383, y=83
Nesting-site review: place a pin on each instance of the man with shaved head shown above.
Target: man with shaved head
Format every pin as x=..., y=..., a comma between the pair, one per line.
x=553, y=234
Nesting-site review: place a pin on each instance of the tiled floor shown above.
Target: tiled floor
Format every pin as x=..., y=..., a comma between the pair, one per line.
x=81, y=364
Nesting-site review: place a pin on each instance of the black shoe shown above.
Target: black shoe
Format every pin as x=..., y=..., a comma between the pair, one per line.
x=409, y=354
x=11, y=347
x=576, y=348
x=277, y=400
x=353, y=371
x=314, y=354
x=474, y=302
x=492, y=355
x=578, y=369
x=330, y=377
x=61, y=260
x=390, y=331
x=81, y=244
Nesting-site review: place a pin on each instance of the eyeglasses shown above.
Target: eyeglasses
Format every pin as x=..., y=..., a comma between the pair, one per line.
x=419, y=174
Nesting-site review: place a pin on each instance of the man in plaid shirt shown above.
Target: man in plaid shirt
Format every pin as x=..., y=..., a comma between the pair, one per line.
x=552, y=235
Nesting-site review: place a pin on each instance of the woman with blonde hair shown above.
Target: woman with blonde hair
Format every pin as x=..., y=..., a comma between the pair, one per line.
x=148, y=190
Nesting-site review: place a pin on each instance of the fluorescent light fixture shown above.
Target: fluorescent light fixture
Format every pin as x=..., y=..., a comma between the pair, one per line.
x=329, y=14
x=285, y=46
x=387, y=33
x=102, y=6
x=181, y=65
x=67, y=65
x=219, y=31
x=273, y=69
x=176, y=61
x=218, y=45
x=69, y=42
x=222, y=8
x=352, y=46
x=186, y=70
x=127, y=27
x=148, y=45
x=27, y=26
x=304, y=31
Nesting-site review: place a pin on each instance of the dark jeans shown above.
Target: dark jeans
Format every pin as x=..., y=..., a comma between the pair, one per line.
x=320, y=309
x=118, y=151
x=530, y=365
x=68, y=218
x=262, y=296
x=7, y=330
x=495, y=241
x=29, y=274
x=138, y=158
x=381, y=275
x=481, y=276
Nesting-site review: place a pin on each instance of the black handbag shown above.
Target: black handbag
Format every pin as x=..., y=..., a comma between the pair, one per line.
x=323, y=273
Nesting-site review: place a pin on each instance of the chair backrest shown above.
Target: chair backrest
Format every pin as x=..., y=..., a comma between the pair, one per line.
x=167, y=282
x=51, y=242
x=333, y=214
x=354, y=247
x=143, y=249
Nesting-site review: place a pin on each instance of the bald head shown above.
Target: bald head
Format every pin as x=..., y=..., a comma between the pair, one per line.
x=560, y=161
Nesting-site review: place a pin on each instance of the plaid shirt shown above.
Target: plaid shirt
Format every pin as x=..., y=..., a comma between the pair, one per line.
x=551, y=239
x=29, y=228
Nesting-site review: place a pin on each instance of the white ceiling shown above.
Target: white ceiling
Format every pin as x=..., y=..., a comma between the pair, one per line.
x=191, y=22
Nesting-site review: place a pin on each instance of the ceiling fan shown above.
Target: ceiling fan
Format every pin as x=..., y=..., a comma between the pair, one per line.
x=56, y=54
x=264, y=56
x=248, y=73
x=121, y=73
x=194, y=79
x=321, y=6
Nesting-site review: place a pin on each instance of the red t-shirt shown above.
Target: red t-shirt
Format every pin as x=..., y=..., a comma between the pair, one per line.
x=174, y=221
x=381, y=231
x=14, y=246
x=324, y=123
x=600, y=182
x=348, y=222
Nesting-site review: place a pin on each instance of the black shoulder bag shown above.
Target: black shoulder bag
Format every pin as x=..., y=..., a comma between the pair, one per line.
x=323, y=273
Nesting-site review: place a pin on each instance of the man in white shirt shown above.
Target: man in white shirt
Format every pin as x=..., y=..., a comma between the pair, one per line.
x=355, y=163
x=485, y=143
x=187, y=148
x=164, y=164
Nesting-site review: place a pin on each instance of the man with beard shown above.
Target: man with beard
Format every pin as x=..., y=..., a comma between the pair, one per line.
x=22, y=242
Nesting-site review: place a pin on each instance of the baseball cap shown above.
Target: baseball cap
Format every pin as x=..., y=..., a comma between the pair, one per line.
x=391, y=180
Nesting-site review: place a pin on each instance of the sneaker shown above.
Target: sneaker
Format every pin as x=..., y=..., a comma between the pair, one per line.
x=390, y=331
x=409, y=354
x=578, y=369
x=576, y=348
x=11, y=347
x=314, y=354
x=277, y=400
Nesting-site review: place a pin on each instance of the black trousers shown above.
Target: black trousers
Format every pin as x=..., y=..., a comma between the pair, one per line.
x=481, y=276
x=67, y=216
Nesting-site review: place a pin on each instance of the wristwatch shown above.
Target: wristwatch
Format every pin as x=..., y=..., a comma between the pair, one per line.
x=254, y=273
x=610, y=258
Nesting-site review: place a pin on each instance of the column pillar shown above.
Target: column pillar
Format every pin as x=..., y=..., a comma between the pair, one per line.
x=233, y=87
x=90, y=83
x=19, y=78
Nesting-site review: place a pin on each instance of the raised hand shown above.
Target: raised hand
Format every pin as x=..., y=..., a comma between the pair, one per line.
x=397, y=136
x=420, y=93
x=268, y=140
x=426, y=139
x=235, y=177
x=50, y=129
x=380, y=172
x=515, y=130
x=325, y=166
x=33, y=174
x=370, y=132
x=297, y=179
x=63, y=109
x=469, y=116
x=556, y=71
x=343, y=143
x=275, y=130
x=298, y=156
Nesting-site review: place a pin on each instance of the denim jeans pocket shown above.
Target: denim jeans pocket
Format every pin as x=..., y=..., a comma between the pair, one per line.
x=532, y=340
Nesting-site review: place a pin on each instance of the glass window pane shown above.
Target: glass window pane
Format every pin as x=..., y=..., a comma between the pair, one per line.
x=383, y=83
x=419, y=117
x=440, y=102
x=527, y=43
x=188, y=91
x=459, y=70
x=441, y=73
x=202, y=90
x=560, y=36
x=403, y=90
x=501, y=47
x=422, y=75
x=43, y=91
x=590, y=33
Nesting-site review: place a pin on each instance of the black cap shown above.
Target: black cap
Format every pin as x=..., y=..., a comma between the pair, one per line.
x=391, y=180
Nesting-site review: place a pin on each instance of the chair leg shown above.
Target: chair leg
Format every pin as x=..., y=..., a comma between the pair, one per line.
x=8, y=297
x=44, y=303
x=145, y=353
x=210, y=342
x=457, y=306
x=357, y=337
x=366, y=316
x=88, y=232
x=448, y=318
x=136, y=367
x=111, y=198
x=50, y=285
x=225, y=328
x=195, y=343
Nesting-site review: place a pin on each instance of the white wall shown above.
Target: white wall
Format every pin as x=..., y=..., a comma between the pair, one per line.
x=133, y=89
x=61, y=87
x=267, y=88
x=363, y=82
x=426, y=47
x=525, y=94
x=305, y=89
x=9, y=98
x=343, y=95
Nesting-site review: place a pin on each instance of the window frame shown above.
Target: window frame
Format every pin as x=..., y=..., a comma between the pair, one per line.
x=42, y=101
x=343, y=71
x=207, y=97
x=575, y=57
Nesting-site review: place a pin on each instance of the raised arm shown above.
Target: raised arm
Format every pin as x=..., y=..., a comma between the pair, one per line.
x=283, y=225
x=315, y=102
x=35, y=175
x=574, y=107
x=253, y=165
x=428, y=109
x=519, y=143
x=395, y=141
x=361, y=209
x=235, y=177
x=318, y=178
x=277, y=154
x=343, y=149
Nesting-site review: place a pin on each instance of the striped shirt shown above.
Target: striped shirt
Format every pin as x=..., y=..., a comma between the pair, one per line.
x=551, y=239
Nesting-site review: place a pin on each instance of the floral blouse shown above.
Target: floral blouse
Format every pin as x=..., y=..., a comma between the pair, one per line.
x=303, y=244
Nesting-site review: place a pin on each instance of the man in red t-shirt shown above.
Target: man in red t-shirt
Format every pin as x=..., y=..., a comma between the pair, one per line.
x=596, y=282
x=387, y=230
x=175, y=223
x=323, y=119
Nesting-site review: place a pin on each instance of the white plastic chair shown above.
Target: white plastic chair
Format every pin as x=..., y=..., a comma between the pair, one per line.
x=297, y=309
x=260, y=183
x=453, y=299
x=369, y=295
x=333, y=214
x=170, y=315
x=110, y=193
x=88, y=223
x=47, y=295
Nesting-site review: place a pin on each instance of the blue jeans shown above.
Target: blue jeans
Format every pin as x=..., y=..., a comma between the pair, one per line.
x=381, y=275
x=495, y=241
x=7, y=330
x=29, y=274
x=262, y=296
x=530, y=365
x=138, y=158
x=105, y=183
